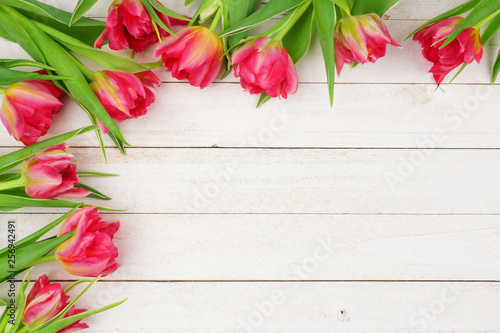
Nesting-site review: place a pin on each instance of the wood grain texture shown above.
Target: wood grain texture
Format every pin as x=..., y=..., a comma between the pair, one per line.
x=296, y=247
x=298, y=180
x=296, y=307
x=308, y=219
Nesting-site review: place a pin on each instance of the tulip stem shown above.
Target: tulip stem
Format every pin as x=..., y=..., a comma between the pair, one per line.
x=85, y=71
x=2, y=90
x=216, y=20
x=44, y=259
x=486, y=20
x=281, y=29
x=11, y=184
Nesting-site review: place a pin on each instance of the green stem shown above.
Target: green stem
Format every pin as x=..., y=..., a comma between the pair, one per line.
x=2, y=90
x=486, y=20
x=44, y=259
x=216, y=20
x=23, y=330
x=85, y=71
x=11, y=184
x=281, y=29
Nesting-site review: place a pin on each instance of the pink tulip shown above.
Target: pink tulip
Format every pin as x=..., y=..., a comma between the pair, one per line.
x=361, y=39
x=464, y=49
x=129, y=25
x=28, y=107
x=45, y=301
x=124, y=95
x=263, y=65
x=49, y=174
x=90, y=252
x=196, y=55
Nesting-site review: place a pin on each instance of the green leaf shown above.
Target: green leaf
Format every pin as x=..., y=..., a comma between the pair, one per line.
x=8, y=161
x=11, y=63
x=93, y=192
x=109, y=60
x=28, y=254
x=490, y=30
x=162, y=9
x=58, y=58
x=96, y=174
x=325, y=16
x=379, y=7
x=484, y=11
x=451, y=13
x=269, y=10
x=81, y=8
x=60, y=324
x=263, y=99
x=17, y=201
x=235, y=11
x=86, y=29
x=298, y=39
x=20, y=36
x=345, y=6
x=4, y=34
x=9, y=76
x=204, y=5
x=40, y=233
x=496, y=68
x=155, y=19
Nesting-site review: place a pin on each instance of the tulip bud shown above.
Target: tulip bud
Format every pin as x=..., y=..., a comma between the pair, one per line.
x=90, y=252
x=49, y=174
x=124, y=95
x=195, y=55
x=28, y=107
x=464, y=49
x=263, y=65
x=45, y=301
x=128, y=24
x=360, y=39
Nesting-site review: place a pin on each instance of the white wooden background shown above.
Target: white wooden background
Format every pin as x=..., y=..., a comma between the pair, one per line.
x=379, y=215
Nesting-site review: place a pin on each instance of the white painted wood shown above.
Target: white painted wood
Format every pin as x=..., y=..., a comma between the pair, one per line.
x=405, y=9
x=296, y=307
x=183, y=116
x=295, y=247
x=297, y=181
x=438, y=222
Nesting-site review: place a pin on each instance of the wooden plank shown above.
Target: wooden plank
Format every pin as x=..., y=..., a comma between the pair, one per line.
x=392, y=116
x=297, y=180
x=406, y=9
x=294, y=247
x=405, y=65
x=296, y=307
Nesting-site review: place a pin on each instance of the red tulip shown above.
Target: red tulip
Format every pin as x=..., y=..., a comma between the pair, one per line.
x=129, y=25
x=90, y=252
x=464, y=49
x=45, y=301
x=124, y=95
x=263, y=65
x=361, y=39
x=28, y=107
x=195, y=55
x=49, y=174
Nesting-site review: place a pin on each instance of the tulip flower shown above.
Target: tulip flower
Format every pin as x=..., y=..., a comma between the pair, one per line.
x=124, y=95
x=49, y=174
x=464, y=49
x=129, y=25
x=263, y=65
x=195, y=54
x=45, y=301
x=28, y=107
x=361, y=39
x=90, y=252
